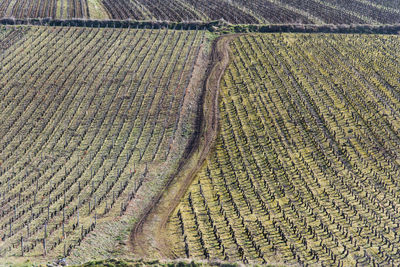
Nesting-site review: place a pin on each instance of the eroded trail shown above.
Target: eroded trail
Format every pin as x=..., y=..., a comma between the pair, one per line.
x=149, y=238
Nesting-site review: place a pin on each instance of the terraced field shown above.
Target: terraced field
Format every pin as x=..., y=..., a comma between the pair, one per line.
x=306, y=166
x=236, y=11
x=93, y=124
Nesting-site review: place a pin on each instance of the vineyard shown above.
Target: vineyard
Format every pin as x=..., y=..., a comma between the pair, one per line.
x=183, y=132
x=93, y=123
x=45, y=8
x=236, y=11
x=306, y=164
x=259, y=11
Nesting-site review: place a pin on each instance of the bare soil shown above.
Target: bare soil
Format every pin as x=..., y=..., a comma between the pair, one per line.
x=149, y=237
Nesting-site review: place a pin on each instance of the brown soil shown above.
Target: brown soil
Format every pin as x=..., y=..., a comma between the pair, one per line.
x=149, y=236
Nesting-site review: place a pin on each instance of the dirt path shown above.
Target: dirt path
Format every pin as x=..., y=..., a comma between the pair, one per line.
x=148, y=239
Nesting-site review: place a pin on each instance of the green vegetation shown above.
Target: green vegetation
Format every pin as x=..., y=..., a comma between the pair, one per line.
x=109, y=111
x=306, y=164
x=93, y=124
x=137, y=263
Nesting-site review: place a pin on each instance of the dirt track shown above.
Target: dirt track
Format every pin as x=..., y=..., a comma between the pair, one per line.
x=148, y=238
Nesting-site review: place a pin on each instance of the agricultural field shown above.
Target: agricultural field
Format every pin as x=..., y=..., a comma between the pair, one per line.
x=45, y=8
x=236, y=11
x=259, y=11
x=160, y=132
x=94, y=121
x=305, y=168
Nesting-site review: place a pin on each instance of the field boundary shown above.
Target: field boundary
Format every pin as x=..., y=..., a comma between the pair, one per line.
x=94, y=23
x=219, y=26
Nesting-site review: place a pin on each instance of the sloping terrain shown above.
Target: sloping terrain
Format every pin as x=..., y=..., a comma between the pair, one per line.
x=45, y=8
x=306, y=164
x=148, y=237
x=236, y=11
x=93, y=124
x=135, y=138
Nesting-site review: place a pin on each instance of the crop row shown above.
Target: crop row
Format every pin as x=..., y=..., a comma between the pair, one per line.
x=86, y=113
x=305, y=167
x=236, y=11
x=258, y=11
x=44, y=9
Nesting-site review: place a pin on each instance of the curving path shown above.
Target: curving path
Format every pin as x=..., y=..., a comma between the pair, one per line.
x=148, y=238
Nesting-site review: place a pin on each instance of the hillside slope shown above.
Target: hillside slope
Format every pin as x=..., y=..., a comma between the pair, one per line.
x=93, y=124
x=235, y=12
x=306, y=164
x=260, y=11
x=148, y=237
